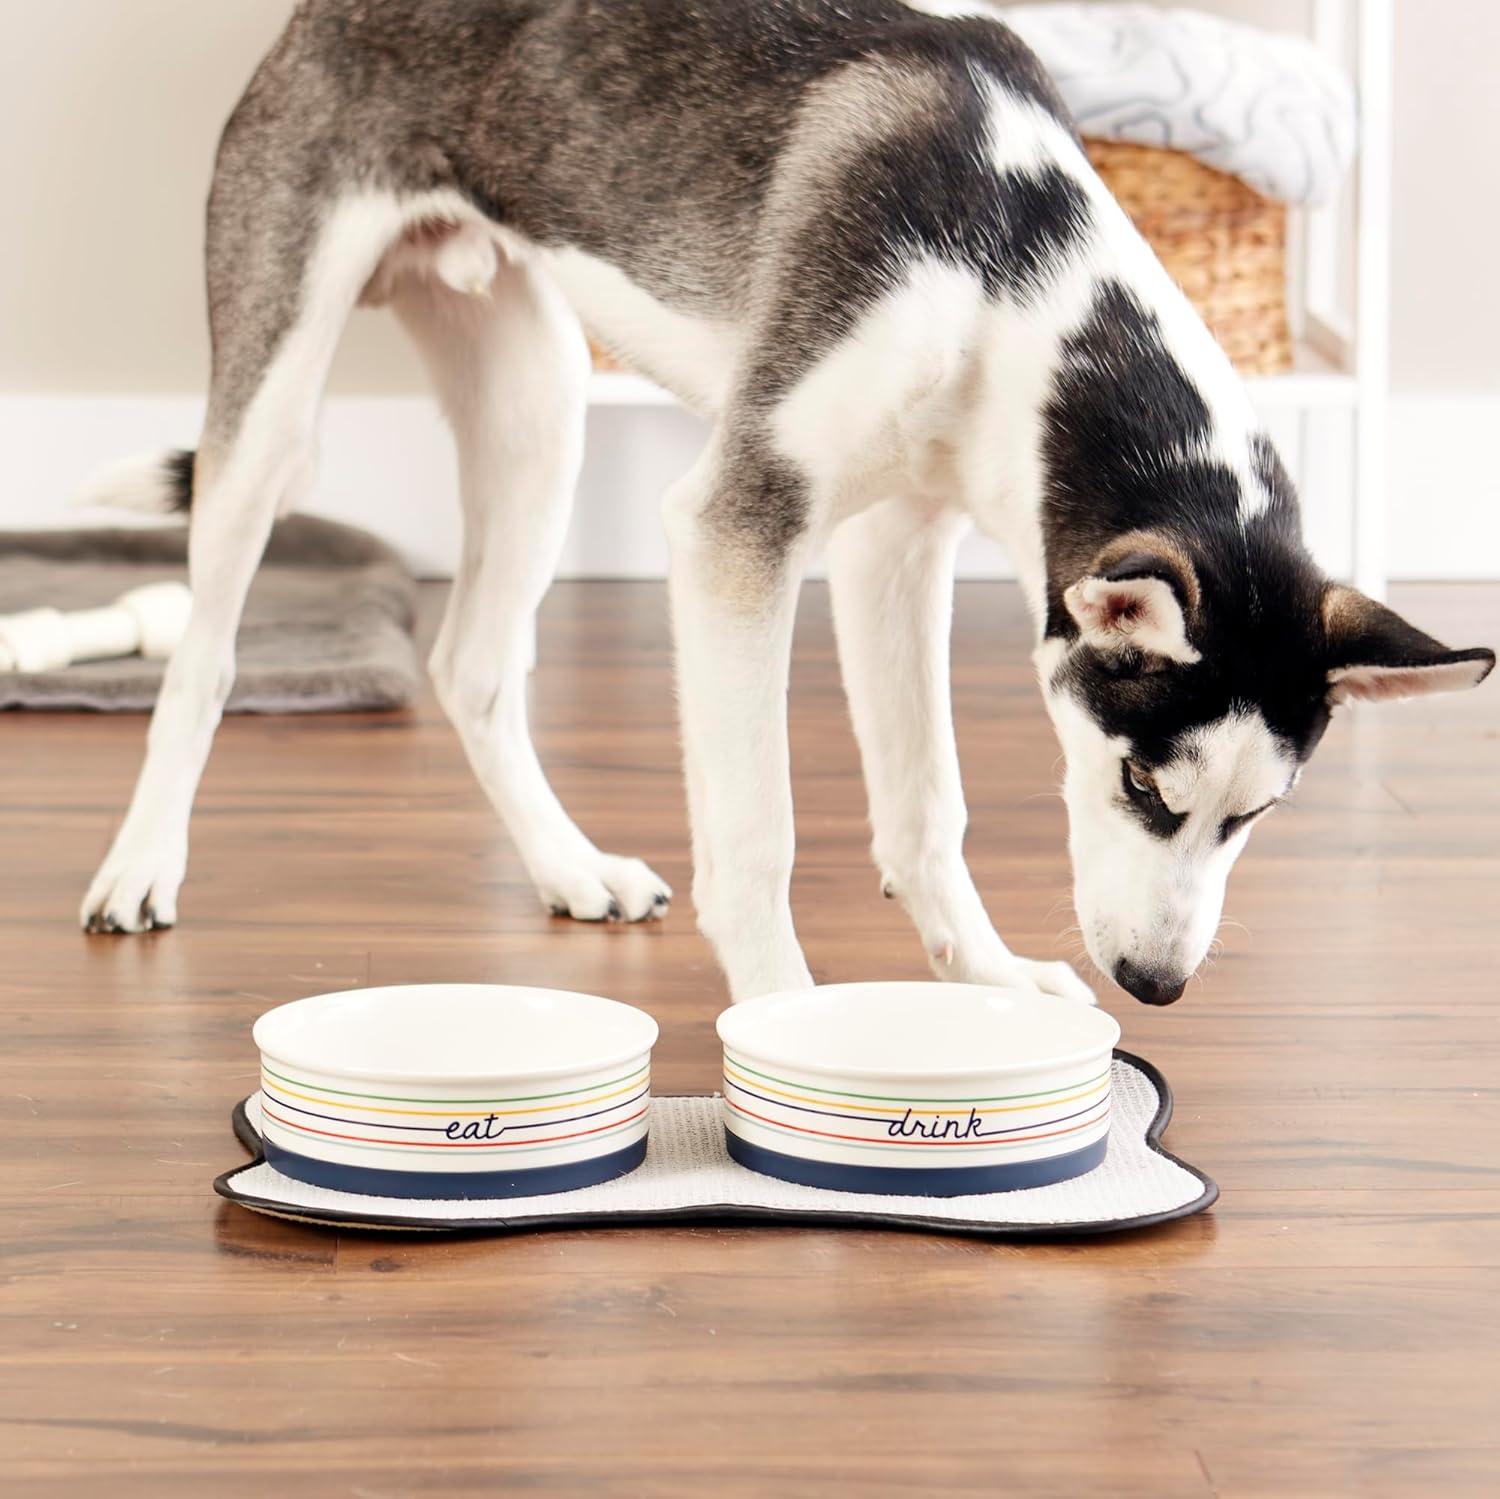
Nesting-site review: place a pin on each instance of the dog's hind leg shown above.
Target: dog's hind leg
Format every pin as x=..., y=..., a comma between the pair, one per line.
x=891, y=571
x=280, y=292
x=511, y=369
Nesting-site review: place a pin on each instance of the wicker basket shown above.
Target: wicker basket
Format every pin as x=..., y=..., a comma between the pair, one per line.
x=1222, y=242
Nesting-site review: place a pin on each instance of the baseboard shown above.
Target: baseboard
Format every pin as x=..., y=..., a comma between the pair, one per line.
x=387, y=464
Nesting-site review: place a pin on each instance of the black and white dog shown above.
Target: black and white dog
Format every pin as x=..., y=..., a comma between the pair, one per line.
x=863, y=238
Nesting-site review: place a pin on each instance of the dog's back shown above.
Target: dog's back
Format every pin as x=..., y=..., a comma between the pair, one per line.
x=650, y=135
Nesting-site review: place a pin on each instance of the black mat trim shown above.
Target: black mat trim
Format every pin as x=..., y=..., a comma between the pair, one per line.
x=736, y=1212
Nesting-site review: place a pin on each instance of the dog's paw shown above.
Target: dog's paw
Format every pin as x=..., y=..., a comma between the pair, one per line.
x=1005, y=970
x=135, y=889
x=605, y=887
x=1057, y=979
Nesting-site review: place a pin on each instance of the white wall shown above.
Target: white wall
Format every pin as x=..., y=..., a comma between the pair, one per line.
x=108, y=114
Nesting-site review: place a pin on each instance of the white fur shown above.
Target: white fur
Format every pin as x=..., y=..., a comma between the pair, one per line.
x=1023, y=137
x=999, y=450
x=954, y=7
x=869, y=417
x=694, y=357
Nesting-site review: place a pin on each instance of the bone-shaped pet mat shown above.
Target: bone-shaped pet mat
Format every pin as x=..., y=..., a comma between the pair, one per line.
x=688, y=1177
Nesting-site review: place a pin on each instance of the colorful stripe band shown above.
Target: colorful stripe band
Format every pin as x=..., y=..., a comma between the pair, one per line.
x=863, y=1142
x=396, y=1098
x=277, y=1089
x=437, y=1129
x=446, y=1144
x=770, y=1077
x=997, y=1136
x=565, y=1122
x=745, y=1084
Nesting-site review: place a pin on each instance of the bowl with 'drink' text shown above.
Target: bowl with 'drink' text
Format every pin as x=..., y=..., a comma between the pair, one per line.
x=919, y=1089
x=455, y=1090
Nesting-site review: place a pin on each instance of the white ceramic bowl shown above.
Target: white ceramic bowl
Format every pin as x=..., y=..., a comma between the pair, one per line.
x=919, y=1089
x=455, y=1090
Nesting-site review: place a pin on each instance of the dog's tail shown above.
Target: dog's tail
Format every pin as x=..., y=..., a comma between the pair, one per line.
x=154, y=484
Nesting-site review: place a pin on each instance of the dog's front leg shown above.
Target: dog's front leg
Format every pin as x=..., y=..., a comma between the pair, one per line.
x=734, y=582
x=891, y=568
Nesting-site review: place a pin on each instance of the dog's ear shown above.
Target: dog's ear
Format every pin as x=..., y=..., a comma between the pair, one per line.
x=1375, y=656
x=1138, y=596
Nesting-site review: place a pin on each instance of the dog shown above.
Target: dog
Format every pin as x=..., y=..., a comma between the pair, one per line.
x=862, y=237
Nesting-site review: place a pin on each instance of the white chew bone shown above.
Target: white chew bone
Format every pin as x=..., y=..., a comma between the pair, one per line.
x=161, y=613
x=148, y=620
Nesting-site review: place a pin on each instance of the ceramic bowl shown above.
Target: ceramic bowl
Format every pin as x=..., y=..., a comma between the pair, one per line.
x=455, y=1090
x=917, y=1089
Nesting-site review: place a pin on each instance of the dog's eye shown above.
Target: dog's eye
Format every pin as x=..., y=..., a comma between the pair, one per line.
x=1142, y=794
x=1231, y=825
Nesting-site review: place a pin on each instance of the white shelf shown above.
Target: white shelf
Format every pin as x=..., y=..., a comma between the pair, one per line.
x=1314, y=381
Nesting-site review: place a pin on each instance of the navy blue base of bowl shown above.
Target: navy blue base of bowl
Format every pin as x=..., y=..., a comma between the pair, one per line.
x=912, y=1181
x=536, y=1181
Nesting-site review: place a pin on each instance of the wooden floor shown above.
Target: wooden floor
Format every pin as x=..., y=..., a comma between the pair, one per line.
x=1332, y=1327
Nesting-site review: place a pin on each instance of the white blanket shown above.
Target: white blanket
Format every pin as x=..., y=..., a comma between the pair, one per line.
x=1266, y=106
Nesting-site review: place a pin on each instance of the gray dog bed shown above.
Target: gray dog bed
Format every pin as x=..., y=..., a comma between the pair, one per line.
x=327, y=625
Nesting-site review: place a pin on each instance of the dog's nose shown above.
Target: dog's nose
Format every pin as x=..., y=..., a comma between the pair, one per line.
x=1150, y=988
